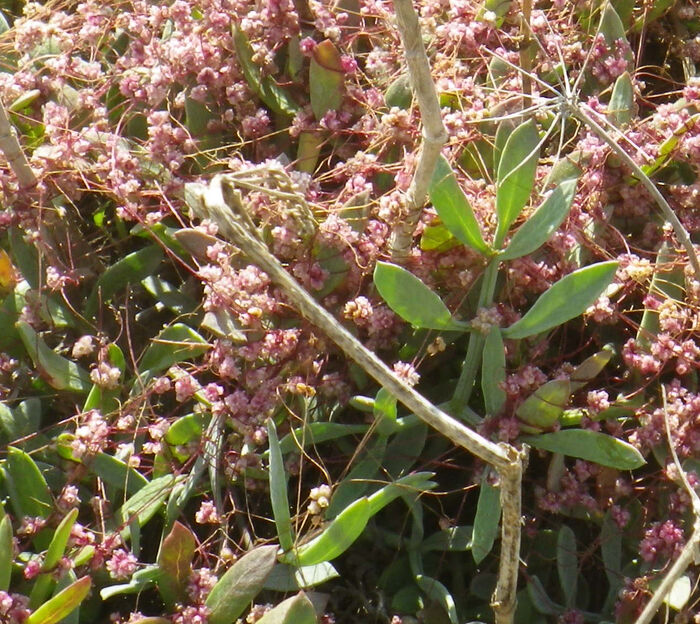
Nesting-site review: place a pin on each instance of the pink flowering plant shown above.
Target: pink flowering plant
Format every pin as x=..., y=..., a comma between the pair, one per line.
x=181, y=444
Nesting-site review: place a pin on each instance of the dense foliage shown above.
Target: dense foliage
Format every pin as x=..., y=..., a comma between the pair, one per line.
x=169, y=420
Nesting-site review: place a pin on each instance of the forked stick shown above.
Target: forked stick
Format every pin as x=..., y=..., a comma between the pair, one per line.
x=222, y=203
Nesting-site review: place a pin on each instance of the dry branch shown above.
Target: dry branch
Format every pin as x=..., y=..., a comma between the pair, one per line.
x=222, y=203
x=434, y=133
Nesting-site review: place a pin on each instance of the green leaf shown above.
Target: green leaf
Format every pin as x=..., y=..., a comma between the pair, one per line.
x=621, y=106
x=6, y=553
x=236, y=589
x=57, y=548
x=516, y=176
x=338, y=536
x=436, y=591
x=167, y=295
x=399, y=93
x=278, y=490
x=326, y=79
x=539, y=598
x=410, y=485
x=454, y=539
x=308, y=150
x=359, y=478
x=567, y=565
x=565, y=300
x=316, y=433
x=493, y=372
x=385, y=411
x=117, y=473
x=174, y=344
x=544, y=407
x=668, y=282
x=224, y=324
x=454, y=209
x=59, y=372
x=589, y=445
x=295, y=610
x=437, y=237
x=411, y=299
x=486, y=521
x=175, y=563
x=197, y=117
x=131, y=269
x=140, y=581
x=63, y=603
x=287, y=578
x=276, y=98
x=537, y=230
x=590, y=368
x=30, y=495
x=143, y=505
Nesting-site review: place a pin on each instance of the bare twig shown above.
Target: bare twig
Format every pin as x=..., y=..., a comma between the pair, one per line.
x=222, y=203
x=690, y=550
x=434, y=133
x=9, y=145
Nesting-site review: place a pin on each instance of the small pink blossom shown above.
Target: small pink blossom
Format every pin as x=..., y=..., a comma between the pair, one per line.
x=122, y=564
x=407, y=373
x=207, y=514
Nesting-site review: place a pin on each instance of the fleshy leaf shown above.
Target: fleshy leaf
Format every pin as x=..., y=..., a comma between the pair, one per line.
x=267, y=89
x=545, y=406
x=308, y=151
x=453, y=539
x=590, y=368
x=57, y=548
x=326, y=79
x=454, y=209
x=356, y=483
x=63, y=603
x=411, y=485
x=236, y=589
x=567, y=565
x=537, y=230
x=565, y=300
x=411, y=299
x=589, y=445
x=131, y=269
x=117, y=473
x=31, y=496
x=516, y=176
x=439, y=593
x=316, y=433
x=621, y=106
x=143, y=505
x=493, y=373
x=59, y=372
x=174, y=344
x=175, y=563
x=278, y=490
x=486, y=521
x=286, y=578
x=295, y=610
x=6, y=553
x=399, y=93
x=338, y=536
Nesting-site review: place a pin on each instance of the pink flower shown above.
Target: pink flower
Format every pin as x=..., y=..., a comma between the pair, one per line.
x=122, y=564
x=407, y=373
